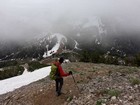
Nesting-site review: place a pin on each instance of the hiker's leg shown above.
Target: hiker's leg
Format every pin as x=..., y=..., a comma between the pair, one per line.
x=58, y=80
x=61, y=84
x=57, y=85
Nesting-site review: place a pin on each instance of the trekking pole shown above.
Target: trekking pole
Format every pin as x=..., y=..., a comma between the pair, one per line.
x=76, y=83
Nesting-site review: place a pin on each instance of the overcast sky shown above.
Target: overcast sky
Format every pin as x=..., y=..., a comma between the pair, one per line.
x=22, y=18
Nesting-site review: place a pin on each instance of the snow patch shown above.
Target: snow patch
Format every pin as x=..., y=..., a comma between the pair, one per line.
x=34, y=59
x=25, y=71
x=66, y=61
x=60, y=40
x=108, y=52
x=76, y=44
x=97, y=41
x=13, y=83
x=1, y=69
x=44, y=55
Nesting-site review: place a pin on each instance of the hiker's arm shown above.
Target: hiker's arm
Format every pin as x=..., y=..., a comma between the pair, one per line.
x=62, y=73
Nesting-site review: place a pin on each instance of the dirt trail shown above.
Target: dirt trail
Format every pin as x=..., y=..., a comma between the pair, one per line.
x=41, y=93
x=49, y=97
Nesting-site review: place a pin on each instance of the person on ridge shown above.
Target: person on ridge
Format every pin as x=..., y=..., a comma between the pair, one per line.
x=59, y=76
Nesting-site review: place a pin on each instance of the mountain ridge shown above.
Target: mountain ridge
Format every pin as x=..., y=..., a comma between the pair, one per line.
x=86, y=34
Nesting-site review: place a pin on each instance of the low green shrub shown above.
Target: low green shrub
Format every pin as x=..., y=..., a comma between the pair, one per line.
x=113, y=92
x=11, y=71
x=134, y=81
x=8, y=63
x=35, y=65
x=110, y=92
x=99, y=102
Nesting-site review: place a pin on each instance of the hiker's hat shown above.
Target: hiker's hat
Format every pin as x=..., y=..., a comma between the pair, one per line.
x=61, y=59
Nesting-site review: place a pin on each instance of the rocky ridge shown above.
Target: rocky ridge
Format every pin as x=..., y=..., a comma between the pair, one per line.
x=98, y=84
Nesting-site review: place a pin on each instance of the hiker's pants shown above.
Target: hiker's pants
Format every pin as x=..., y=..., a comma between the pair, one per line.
x=59, y=84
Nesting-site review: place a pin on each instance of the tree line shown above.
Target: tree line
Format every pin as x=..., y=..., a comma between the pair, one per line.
x=101, y=57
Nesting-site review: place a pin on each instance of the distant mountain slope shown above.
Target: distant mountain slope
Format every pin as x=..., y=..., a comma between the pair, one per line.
x=91, y=34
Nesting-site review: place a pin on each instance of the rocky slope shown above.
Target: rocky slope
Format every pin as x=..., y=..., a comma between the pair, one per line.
x=98, y=84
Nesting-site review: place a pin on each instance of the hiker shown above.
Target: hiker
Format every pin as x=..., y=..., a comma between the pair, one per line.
x=59, y=75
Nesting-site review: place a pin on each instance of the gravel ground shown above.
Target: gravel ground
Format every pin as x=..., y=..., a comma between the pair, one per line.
x=96, y=84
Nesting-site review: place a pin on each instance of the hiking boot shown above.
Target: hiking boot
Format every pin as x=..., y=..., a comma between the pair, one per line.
x=58, y=93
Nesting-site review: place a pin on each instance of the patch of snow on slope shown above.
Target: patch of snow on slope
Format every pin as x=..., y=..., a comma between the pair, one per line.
x=11, y=84
x=1, y=69
x=60, y=37
x=76, y=44
x=97, y=41
x=25, y=71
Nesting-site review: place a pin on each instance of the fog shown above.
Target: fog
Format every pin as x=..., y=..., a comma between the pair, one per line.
x=20, y=19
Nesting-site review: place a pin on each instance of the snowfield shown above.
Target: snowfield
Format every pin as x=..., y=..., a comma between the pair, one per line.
x=59, y=37
x=13, y=83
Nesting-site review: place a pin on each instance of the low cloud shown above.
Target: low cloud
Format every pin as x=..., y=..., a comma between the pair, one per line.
x=26, y=18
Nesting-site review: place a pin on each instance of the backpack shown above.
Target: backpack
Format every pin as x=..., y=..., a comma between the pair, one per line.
x=54, y=72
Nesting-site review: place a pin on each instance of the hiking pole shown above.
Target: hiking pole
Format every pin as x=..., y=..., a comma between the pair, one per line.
x=76, y=83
